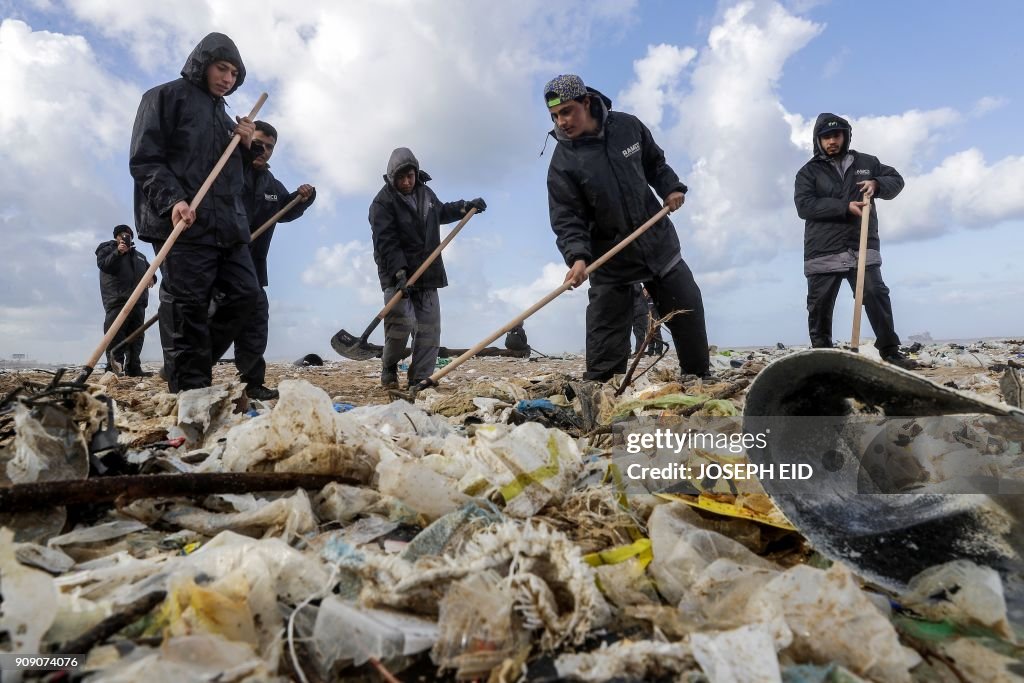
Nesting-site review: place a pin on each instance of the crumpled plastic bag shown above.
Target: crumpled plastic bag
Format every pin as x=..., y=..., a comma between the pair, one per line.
x=743, y=655
x=342, y=503
x=303, y=433
x=205, y=657
x=346, y=631
x=477, y=627
x=531, y=466
x=205, y=415
x=628, y=660
x=285, y=517
x=963, y=593
x=832, y=620
x=682, y=551
x=29, y=600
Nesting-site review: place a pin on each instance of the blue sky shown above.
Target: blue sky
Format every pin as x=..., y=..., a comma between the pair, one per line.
x=729, y=88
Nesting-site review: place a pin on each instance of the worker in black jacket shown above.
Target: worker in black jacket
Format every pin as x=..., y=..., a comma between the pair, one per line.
x=405, y=220
x=264, y=196
x=599, y=191
x=831, y=192
x=181, y=130
x=122, y=266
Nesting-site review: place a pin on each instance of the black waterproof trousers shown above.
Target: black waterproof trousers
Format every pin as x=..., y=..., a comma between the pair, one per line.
x=610, y=318
x=251, y=343
x=822, y=290
x=193, y=340
x=128, y=356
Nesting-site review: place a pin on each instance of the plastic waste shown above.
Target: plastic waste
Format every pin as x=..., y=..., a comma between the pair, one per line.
x=832, y=620
x=285, y=517
x=342, y=503
x=303, y=433
x=962, y=592
x=682, y=551
x=29, y=601
x=627, y=660
x=477, y=626
x=743, y=655
x=347, y=632
x=206, y=415
x=531, y=466
x=202, y=657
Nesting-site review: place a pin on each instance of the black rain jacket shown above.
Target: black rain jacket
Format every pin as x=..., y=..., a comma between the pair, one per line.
x=404, y=237
x=264, y=196
x=180, y=132
x=599, y=191
x=119, y=274
x=822, y=197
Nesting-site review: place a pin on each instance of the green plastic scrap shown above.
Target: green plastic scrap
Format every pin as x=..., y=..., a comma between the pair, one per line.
x=664, y=402
x=943, y=631
x=716, y=407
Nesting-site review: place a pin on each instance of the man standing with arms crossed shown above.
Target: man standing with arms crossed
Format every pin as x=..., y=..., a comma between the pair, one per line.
x=599, y=191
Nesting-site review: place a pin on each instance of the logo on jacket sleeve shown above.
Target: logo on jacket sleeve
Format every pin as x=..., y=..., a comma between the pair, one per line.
x=269, y=197
x=631, y=150
x=862, y=171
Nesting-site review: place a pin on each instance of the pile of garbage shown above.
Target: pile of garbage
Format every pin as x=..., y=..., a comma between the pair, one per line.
x=485, y=533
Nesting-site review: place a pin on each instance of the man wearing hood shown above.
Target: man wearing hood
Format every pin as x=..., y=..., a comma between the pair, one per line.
x=832, y=190
x=264, y=196
x=405, y=218
x=121, y=268
x=599, y=191
x=181, y=129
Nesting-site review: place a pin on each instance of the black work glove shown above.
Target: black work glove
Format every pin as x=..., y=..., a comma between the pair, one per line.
x=256, y=148
x=400, y=282
x=479, y=204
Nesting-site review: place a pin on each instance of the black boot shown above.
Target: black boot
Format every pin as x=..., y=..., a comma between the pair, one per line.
x=261, y=393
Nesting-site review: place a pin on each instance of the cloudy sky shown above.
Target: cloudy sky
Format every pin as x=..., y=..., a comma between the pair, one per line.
x=730, y=90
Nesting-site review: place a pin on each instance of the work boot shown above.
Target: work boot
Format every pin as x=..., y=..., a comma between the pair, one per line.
x=261, y=393
x=896, y=357
x=389, y=377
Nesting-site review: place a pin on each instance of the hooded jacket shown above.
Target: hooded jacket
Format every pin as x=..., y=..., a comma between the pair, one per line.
x=406, y=229
x=599, y=191
x=179, y=134
x=119, y=274
x=264, y=196
x=822, y=196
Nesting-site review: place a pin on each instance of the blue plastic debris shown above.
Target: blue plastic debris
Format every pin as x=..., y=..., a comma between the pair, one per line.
x=535, y=404
x=343, y=407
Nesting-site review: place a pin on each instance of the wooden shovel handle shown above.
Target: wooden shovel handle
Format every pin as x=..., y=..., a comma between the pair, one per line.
x=426, y=264
x=862, y=257
x=554, y=294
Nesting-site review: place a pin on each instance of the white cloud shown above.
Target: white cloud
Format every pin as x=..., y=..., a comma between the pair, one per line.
x=63, y=119
x=348, y=82
x=987, y=104
x=349, y=266
x=746, y=147
x=656, y=75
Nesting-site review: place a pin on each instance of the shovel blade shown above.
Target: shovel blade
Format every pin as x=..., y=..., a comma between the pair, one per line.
x=353, y=347
x=886, y=537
